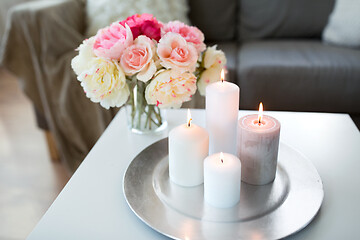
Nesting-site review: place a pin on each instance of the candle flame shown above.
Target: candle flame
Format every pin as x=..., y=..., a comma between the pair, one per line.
x=222, y=157
x=222, y=75
x=189, y=118
x=260, y=115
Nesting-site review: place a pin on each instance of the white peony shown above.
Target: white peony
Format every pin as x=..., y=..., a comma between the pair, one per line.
x=170, y=88
x=214, y=58
x=81, y=62
x=105, y=82
x=207, y=77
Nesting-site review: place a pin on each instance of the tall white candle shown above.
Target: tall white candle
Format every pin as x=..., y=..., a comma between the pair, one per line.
x=222, y=180
x=258, y=143
x=188, y=147
x=222, y=107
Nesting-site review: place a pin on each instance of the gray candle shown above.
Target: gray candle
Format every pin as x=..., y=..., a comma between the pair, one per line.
x=257, y=147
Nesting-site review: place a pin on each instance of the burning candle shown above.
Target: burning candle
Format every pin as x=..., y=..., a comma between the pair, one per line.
x=257, y=147
x=188, y=147
x=222, y=180
x=222, y=107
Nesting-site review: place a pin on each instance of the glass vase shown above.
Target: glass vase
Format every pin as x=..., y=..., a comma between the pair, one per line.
x=142, y=117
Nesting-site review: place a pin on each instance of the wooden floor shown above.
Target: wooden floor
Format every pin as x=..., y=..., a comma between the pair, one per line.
x=29, y=181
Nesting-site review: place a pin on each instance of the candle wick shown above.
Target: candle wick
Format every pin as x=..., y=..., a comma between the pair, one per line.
x=189, y=122
x=222, y=161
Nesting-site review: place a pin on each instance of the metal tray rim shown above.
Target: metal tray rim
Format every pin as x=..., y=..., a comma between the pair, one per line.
x=173, y=236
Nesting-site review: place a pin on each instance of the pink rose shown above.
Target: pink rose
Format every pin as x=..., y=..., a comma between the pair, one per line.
x=174, y=52
x=110, y=42
x=190, y=34
x=138, y=58
x=144, y=24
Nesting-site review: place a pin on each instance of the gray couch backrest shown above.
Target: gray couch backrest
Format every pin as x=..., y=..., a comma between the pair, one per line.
x=216, y=18
x=283, y=18
x=224, y=20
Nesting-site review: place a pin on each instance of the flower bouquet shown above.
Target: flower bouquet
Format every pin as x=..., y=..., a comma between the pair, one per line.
x=147, y=64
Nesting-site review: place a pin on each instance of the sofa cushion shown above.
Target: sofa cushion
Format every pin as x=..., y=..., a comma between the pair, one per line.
x=344, y=24
x=299, y=75
x=217, y=19
x=283, y=18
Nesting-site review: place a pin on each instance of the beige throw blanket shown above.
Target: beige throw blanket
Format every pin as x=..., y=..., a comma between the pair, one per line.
x=38, y=46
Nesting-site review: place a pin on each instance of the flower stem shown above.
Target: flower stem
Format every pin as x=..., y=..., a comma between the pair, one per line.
x=144, y=117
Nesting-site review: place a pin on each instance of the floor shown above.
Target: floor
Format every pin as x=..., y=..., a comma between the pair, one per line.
x=29, y=181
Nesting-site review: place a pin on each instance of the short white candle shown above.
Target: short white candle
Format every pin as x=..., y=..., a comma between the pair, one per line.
x=222, y=180
x=188, y=147
x=222, y=107
x=258, y=143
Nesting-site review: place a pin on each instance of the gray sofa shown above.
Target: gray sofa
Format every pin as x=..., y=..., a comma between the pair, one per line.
x=277, y=56
x=274, y=50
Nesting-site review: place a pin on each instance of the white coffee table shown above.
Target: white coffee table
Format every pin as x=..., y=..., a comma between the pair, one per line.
x=92, y=204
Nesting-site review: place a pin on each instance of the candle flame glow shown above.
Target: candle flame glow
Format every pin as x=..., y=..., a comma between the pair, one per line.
x=222, y=75
x=260, y=115
x=222, y=157
x=189, y=118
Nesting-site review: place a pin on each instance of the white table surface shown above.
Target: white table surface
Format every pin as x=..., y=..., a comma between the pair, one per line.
x=92, y=204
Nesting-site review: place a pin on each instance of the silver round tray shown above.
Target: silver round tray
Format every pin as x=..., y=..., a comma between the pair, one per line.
x=272, y=211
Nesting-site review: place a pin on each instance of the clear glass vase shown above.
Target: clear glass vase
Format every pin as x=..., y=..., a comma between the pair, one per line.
x=143, y=118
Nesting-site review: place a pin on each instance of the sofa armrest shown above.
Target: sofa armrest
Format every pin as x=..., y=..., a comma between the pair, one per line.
x=51, y=27
x=37, y=35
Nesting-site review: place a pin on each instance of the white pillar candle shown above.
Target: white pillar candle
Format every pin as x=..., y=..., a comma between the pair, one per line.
x=222, y=107
x=258, y=143
x=188, y=147
x=222, y=180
